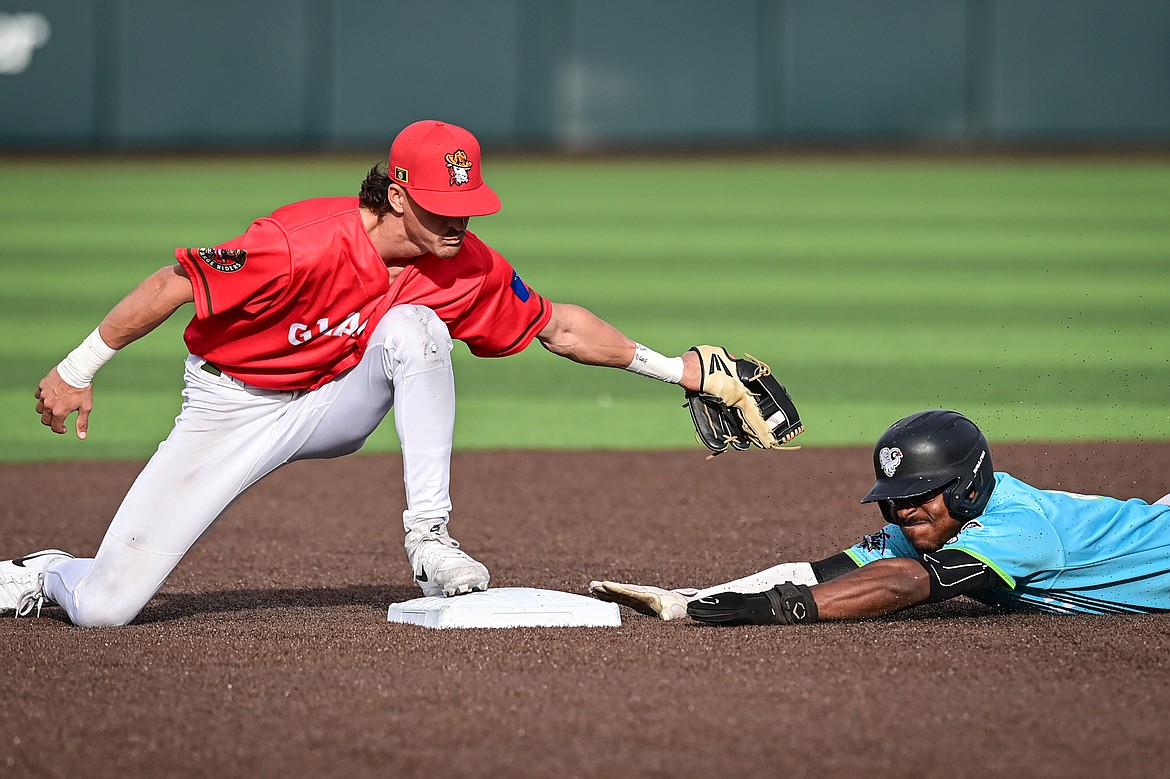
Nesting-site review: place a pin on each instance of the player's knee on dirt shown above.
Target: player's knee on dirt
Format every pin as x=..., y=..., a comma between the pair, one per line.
x=110, y=594
x=103, y=613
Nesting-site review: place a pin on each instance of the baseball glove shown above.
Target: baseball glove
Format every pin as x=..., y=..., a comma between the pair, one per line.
x=740, y=403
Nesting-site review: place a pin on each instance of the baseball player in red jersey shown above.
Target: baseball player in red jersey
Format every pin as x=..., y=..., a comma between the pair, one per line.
x=308, y=329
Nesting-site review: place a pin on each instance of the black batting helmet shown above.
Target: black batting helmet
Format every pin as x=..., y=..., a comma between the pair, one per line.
x=933, y=450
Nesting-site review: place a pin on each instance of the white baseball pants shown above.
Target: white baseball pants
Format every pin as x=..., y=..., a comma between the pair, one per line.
x=229, y=435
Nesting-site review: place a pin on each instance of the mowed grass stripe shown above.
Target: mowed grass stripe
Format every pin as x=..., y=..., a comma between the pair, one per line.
x=1026, y=293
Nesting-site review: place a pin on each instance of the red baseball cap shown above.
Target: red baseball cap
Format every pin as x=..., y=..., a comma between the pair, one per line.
x=438, y=164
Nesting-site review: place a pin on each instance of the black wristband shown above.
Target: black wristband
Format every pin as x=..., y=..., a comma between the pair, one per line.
x=832, y=567
x=793, y=604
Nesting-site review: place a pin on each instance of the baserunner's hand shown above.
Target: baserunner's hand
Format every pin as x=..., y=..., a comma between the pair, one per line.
x=642, y=598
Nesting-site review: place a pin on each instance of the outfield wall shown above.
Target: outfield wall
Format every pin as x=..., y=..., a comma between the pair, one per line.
x=128, y=74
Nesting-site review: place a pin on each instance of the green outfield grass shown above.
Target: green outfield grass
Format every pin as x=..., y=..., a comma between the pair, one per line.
x=1028, y=294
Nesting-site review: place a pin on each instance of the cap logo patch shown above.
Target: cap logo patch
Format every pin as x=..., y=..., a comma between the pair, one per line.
x=889, y=458
x=401, y=174
x=459, y=166
x=225, y=260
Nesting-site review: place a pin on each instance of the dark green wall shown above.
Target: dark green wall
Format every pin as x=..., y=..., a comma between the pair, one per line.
x=583, y=73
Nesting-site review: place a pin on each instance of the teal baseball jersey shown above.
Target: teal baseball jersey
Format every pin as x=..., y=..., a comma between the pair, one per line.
x=1058, y=552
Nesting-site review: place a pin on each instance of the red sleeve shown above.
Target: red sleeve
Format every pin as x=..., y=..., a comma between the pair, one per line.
x=245, y=275
x=506, y=313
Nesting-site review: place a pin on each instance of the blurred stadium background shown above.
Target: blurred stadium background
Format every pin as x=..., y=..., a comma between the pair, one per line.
x=900, y=204
x=576, y=74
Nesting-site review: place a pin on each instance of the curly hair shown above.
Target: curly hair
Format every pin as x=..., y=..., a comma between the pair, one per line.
x=372, y=195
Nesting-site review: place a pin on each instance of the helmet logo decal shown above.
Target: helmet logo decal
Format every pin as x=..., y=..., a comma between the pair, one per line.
x=458, y=165
x=890, y=457
x=982, y=457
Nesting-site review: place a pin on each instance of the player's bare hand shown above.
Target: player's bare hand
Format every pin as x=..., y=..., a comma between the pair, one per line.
x=57, y=399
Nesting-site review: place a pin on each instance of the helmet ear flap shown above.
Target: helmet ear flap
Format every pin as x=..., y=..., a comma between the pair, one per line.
x=967, y=498
x=958, y=500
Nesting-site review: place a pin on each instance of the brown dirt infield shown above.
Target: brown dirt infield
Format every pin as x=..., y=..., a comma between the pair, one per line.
x=267, y=653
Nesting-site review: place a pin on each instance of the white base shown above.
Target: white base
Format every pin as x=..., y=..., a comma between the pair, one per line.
x=507, y=607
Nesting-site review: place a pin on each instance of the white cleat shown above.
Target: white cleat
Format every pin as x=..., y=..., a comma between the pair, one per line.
x=22, y=581
x=644, y=599
x=441, y=568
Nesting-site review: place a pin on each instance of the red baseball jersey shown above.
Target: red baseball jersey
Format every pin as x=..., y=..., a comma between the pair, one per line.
x=291, y=303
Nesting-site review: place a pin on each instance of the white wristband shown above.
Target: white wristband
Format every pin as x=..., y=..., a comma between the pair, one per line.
x=78, y=369
x=648, y=362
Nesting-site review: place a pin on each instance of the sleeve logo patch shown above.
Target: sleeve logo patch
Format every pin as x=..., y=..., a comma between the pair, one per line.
x=225, y=260
x=520, y=288
x=876, y=542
